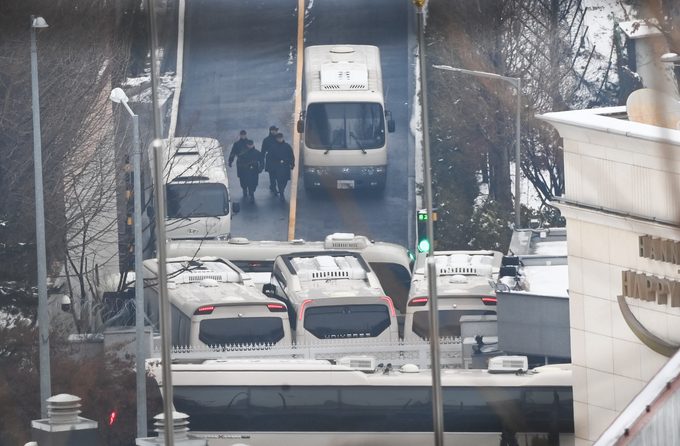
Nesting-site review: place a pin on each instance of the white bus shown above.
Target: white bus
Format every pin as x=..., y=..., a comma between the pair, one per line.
x=332, y=295
x=391, y=262
x=465, y=286
x=344, y=143
x=317, y=403
x=198, y=204
x=213, y=303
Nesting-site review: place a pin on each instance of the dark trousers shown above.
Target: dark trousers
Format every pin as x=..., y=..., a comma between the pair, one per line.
x=272, y=182
x=281, y=185
x=248, y=186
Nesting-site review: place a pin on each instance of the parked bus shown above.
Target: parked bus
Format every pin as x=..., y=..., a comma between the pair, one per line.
x=213, y=303
x=344, y=143
x=390, y=262
x=332, y=295
x=465, y=287
x=198, y=205
x=317, y=403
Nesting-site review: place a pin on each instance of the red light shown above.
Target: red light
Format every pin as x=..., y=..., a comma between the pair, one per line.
x=391, y=304
x=302, y=307
x=204, y=310
x=276, y=307
x=490, y=300
x=419, y=302
x=113, y=417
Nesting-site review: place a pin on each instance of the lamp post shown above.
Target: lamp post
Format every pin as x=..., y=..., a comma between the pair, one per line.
x=119, y=96
x=437, y=399
x=517, y=83
x=43, y=316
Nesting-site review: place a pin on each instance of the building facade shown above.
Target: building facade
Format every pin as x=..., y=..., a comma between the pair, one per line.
x=622, y=206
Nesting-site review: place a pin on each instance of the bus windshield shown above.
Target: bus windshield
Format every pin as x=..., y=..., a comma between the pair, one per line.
x=345, y=126
x=197, y=200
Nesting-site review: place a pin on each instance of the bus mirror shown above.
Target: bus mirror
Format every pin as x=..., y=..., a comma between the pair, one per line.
x=269, y=290
x=235, y=207
x=150, y=211
x=301, y=126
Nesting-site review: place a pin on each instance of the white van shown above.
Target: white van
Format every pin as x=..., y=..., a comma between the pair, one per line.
x=213, y=303
x=344, y=142
x=464, y=287
x=196, y=189
x=332, y=295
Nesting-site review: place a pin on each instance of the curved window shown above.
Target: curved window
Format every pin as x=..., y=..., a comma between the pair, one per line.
x=239, y=331
x=346, y=321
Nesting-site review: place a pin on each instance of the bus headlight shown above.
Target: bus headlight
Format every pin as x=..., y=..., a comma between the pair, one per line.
x=373, y=170
x=317, y=170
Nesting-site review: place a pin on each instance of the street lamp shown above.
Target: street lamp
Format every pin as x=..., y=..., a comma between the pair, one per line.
x=517, y=83
x=43, y=316
x=119, y=96
x=437, y=404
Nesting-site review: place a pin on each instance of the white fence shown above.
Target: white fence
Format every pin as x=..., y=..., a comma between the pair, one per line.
x=396, y=353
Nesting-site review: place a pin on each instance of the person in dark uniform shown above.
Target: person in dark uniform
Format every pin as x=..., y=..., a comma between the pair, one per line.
x=238, y=147
x=248, y=168
x=280, y=162
x=267, y=144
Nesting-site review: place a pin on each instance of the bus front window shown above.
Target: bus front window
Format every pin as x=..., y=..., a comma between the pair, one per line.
x=197, y=200
x=345, y=126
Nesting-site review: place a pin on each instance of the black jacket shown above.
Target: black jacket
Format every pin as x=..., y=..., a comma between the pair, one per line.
x=281, y=160
x=238, y=147
x=267, y=145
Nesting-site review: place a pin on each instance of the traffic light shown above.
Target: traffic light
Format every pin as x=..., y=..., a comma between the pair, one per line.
x=424, y=243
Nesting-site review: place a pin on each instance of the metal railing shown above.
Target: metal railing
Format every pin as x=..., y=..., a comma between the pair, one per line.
x=396, y=353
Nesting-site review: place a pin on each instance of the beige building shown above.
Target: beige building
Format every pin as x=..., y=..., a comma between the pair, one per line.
x=622, y=205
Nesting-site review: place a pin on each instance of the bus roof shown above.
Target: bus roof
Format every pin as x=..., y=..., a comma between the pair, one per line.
x=194, y=160
x=323, y=373
x=242, y=249
x=359, y=64
x=458, y=273
x=329, y=275
x=207, y=281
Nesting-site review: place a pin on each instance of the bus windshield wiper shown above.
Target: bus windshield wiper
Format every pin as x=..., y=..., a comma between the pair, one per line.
x=358, y=142
x=335, y=139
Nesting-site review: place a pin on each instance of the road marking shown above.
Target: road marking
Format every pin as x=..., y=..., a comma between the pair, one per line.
x=298, y=110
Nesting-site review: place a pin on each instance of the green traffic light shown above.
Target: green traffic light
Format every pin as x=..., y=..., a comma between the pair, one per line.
x=424, y=245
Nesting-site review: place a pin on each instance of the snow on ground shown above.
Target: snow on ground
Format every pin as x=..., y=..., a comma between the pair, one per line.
x=166, y=86
x=600, y=20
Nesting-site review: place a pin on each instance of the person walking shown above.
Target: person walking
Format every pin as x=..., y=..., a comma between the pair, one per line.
x=238, y=147
x=248, y=168
x=281, y=161
x=267, y=144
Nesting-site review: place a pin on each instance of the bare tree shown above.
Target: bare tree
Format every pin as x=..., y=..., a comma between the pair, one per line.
x=80, y=55
x=541, y=42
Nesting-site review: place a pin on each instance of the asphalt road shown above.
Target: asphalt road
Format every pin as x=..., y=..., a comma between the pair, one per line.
x=240, y=73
